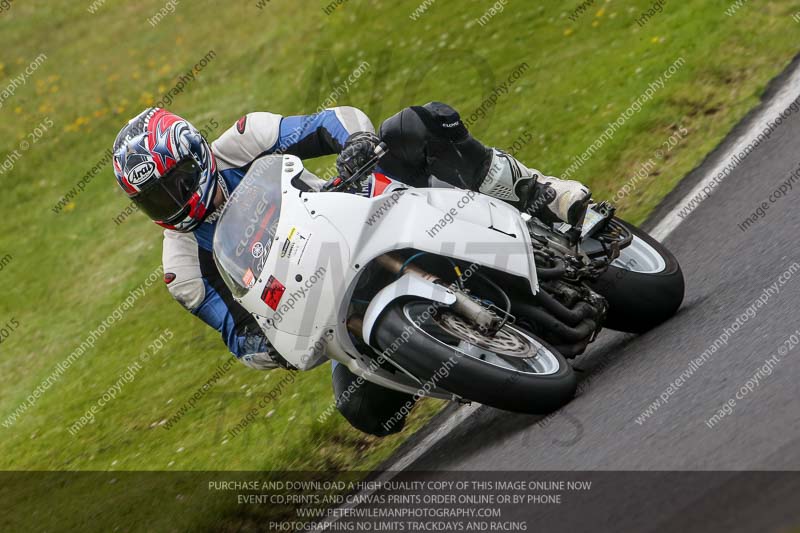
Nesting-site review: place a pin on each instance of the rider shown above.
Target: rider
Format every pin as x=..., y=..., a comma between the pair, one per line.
x=181, y=182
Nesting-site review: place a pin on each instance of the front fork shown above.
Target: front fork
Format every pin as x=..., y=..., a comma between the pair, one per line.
x=464, y=305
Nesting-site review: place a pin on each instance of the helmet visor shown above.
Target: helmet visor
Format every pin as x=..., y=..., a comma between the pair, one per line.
x=166, y=199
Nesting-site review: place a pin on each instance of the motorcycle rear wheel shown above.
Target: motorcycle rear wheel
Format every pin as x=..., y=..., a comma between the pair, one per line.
x=644, y=286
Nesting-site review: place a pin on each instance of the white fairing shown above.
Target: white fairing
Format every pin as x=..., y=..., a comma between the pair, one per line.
x=323, y=240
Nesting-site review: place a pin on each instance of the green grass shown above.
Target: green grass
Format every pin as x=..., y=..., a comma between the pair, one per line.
x=70, y=270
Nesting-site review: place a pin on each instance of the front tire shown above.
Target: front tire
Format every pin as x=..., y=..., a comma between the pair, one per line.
x=514, y=370
x=644, y=286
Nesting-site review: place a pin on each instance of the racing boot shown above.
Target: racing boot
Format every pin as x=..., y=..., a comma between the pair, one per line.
x=547, y=198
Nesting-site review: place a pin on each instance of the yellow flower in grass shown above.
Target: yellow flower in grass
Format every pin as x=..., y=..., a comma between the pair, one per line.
x=136, y=74
x=18, y=110
x=76, y=124
x=147, y=99
x=600, y=12
x=54, y=89
x=568, y=32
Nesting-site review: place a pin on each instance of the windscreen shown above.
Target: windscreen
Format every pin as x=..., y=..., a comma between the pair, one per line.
x=247, y=226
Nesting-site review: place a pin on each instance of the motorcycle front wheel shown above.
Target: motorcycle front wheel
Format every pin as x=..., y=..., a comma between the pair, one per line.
x=511, y=369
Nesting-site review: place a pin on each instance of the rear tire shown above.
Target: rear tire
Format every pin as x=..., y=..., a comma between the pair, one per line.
x=441, y=348
x=641, y=300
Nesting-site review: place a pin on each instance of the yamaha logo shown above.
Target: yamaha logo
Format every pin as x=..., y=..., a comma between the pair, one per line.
x=141, y=172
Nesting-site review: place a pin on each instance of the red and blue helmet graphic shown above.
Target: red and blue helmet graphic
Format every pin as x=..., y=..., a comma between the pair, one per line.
x=166, y=167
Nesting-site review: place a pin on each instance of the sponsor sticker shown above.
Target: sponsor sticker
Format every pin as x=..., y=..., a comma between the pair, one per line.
x=273, y=292
x=248, y=279
x=141, y=172
x=294, y=246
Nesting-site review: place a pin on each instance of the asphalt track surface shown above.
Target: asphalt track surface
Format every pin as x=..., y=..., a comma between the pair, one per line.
x=726, y=271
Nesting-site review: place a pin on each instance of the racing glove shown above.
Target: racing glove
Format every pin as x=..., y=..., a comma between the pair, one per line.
x=358, y=149
x=259, y=354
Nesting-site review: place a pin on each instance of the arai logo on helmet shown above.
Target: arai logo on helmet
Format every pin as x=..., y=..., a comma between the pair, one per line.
x=141, y=172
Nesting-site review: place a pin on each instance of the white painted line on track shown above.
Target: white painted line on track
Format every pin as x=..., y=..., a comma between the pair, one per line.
x=778, y=103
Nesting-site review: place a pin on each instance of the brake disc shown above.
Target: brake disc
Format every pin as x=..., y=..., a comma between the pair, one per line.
x=508, y=341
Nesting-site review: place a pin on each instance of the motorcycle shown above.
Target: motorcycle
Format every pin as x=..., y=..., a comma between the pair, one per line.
x=436, y=292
